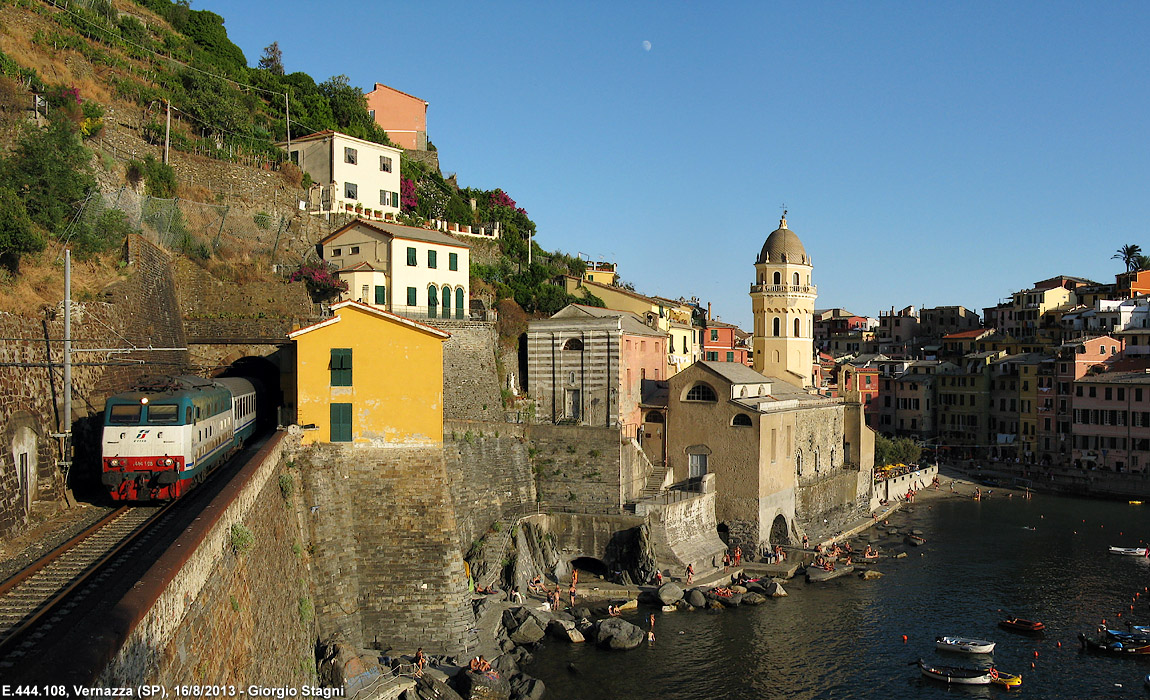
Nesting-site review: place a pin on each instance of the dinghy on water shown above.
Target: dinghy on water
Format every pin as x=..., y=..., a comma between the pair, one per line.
x=1130, y=551
x=963, y=645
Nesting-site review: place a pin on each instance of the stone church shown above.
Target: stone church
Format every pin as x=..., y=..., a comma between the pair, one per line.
x=783, y=456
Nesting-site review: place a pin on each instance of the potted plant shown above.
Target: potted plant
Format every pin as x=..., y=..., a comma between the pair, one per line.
x=358, y=208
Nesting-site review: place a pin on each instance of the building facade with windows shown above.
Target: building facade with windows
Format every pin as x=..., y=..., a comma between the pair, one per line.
x=402, y=116
x=414, y=272
x=783, y=458
x=348, y=173
x=724, y=342
x=371, y=378
x=1112, y=421
x=587, y=366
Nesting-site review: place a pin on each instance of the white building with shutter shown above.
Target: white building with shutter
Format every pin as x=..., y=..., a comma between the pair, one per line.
x=412, y=272
x=348, y=172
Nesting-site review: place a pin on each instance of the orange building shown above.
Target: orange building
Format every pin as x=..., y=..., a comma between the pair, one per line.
x=402, y=116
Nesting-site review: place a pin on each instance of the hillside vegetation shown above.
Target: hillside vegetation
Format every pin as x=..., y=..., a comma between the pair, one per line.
x=90, y=55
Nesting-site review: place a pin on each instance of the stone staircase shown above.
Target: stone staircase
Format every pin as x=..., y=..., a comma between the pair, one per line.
x=494, y=549
x=654, y=483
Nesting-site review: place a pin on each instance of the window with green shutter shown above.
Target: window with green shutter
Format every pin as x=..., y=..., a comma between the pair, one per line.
x=411, y=300
x=453, y=261
x=431, y=259
x=341, y=366
x=411, y=262
x=730, y=357
x=340, y=422
x=380, y=294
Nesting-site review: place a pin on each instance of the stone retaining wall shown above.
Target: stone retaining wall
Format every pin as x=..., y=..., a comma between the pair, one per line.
x=224, y=615
x=896, y=488
x=578, y=465
x=470, y=381
x=490, y=473
x=388, y=568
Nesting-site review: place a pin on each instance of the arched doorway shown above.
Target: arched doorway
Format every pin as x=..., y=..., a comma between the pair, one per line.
x=724, y=533
x=779, y=531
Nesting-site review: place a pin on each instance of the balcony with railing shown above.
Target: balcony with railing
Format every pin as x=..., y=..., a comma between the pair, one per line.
x=810, y=289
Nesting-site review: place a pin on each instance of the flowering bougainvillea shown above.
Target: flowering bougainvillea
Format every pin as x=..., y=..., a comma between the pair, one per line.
x=499, y=198
x=321, y=283
x=407, y=198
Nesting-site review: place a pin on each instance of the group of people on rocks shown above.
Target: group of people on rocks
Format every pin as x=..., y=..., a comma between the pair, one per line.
x=483, y=666
x=732, y=557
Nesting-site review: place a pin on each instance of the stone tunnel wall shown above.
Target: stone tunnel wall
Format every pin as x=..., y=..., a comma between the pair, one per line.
x=139, y=311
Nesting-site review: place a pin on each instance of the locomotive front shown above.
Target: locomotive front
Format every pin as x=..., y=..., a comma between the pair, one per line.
x=145, y=445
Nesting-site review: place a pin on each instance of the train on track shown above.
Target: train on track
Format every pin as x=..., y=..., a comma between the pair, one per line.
x=166, y=435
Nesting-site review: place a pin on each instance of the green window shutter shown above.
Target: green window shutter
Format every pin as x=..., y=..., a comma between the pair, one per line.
x=394, y=198
x=411, y=257
x=730, y=357
x=453, y=261
x=341, y=366
x=431, y=259
x=411, y=300
x=380, y=294
x=341, y=422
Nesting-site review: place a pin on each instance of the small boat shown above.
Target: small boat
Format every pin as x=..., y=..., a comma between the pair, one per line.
x=1129, y=551
x=1138, y=629
x=964, y=645
x=1131, y=637
x=1135, y=503
x=914, y=540
x=817, y=575
x=959, y=675
x=1114, y=646
x=1004, y=679
x=1017, y=624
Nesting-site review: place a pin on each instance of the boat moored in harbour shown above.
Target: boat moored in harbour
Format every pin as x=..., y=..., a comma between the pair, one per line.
x=1017, y=624
x=1114, y=647
x=957, y=675
x=964, y=645
x=1130, y=551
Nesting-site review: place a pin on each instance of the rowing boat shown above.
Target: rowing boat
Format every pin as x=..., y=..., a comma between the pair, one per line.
x=1129, y=551
x=958, y=675
x=964, y=645
x=1017, y=624
x=1114, y=647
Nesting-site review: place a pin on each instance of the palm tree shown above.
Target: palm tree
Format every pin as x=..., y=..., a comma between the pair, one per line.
x=1129, y=254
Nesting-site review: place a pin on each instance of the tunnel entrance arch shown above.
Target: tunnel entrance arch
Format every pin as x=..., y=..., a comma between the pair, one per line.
x=266, y=376
x=590, y=565
x=779, y=531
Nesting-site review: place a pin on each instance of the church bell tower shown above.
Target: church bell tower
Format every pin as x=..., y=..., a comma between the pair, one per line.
x=783, y=302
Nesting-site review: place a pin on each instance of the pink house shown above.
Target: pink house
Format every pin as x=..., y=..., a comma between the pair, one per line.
x=1055, y=428
x=402, y=116
x=1112, y=421
x=724, y=342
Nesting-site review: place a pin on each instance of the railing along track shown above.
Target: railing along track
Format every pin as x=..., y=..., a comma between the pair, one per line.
x=36, y=591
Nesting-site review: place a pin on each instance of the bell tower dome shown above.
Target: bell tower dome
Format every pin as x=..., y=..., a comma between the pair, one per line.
x=783, y=302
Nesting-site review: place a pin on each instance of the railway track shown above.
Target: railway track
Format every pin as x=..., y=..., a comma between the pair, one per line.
x=27, y=597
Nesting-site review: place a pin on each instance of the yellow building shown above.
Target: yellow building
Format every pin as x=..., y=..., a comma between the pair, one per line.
x=369, y=377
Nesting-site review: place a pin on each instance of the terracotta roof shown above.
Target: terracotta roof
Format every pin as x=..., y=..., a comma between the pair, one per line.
x=432, y=330
x=410, y=233
x=961, y=335
x=620, y=290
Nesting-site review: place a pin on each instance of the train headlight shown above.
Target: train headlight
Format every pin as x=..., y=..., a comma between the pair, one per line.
x=144, y=400
x=169, y=462
x=114, y=463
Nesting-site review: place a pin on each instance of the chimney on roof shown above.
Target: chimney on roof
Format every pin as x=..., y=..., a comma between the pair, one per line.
x=708, y=311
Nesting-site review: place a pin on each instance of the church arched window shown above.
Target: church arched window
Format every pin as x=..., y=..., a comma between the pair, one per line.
x=796, y=278
x=702, y=392
x=798, y=332
x=778, y=277
x=778, y=327
x=742, y=419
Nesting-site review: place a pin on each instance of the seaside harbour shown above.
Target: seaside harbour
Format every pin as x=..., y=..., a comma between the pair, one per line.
x=844, y=639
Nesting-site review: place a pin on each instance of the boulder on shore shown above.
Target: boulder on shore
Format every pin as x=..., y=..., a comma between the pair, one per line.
x=564, y=629
x=696, y=599
x=775, y=590
x=670, y=593
x=525, y=687
x=870, y=575
x=752, y=598
x=428, y=687
x=617, y=634
x=481, y=686
x=523, y=627
x=732, y=601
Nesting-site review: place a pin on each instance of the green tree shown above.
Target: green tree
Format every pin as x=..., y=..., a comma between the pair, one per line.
x=895, y=451
x=16, y=234
x=1129, y=254
x=349, y=109
x=50, y=171
x=273, y=59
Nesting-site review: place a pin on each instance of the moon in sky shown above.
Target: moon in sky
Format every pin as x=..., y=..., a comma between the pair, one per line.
x=646, y=45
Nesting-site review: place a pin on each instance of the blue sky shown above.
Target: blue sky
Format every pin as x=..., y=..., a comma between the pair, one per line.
x=928, y=153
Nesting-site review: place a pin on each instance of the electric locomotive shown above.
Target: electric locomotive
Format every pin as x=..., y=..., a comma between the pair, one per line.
x=167, y=435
